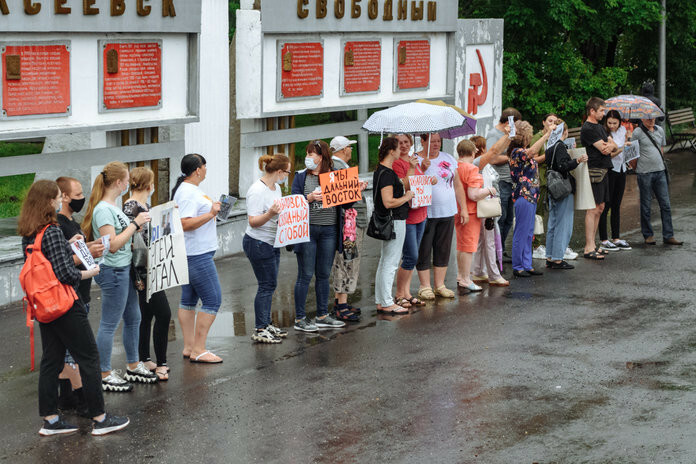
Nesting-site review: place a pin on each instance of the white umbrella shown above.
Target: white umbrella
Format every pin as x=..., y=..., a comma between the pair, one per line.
x=414, y=118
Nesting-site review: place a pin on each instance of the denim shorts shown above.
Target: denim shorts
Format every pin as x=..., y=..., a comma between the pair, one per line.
x=203, y=285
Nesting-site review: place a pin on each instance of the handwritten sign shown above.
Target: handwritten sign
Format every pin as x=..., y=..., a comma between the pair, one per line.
x=167, y=265
x=82, y=252
x=422, y=189
x=340, y=187
x=293, y=221
x=555, y=135
x=631, y=151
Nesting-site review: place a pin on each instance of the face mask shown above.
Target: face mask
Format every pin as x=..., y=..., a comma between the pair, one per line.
x=60, y=207
x=76, y=205
x=310, y=163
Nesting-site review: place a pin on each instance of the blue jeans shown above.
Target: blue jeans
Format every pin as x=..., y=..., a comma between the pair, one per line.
x=203, y=285
x=508, y=208
x=414, y=234
x=649, y=183
x=523, y=234
x=265, y=261
x=314, y=258
x=119, y=301
x=560, y=227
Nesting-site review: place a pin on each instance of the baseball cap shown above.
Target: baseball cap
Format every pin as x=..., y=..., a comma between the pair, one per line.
x=340, y=142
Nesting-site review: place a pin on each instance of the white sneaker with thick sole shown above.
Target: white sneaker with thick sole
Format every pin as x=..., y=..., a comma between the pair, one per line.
x=539, y=252
x=570, y=254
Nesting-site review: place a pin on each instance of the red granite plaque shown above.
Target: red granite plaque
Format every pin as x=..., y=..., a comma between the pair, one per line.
x=132, y=75
x=413, y=64
x=302, y=70
x=362, y=66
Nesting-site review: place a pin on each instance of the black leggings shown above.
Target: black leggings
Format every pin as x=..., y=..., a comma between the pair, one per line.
x=157, y=308
x=617, y=185
x=71, y=331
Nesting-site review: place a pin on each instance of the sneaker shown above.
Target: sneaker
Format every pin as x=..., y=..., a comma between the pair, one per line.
x=329, y=323
x=607, y=245
x=109, y=424
x=539, y=252
x=570, y=254
x=140, y=374
x=277, y=331
x=622, y=245
x=264, y=336
x=113, y=382
x=56, y=428
x=305, y=325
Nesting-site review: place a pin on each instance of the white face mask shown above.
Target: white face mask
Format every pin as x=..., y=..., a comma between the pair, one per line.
x=310, y=163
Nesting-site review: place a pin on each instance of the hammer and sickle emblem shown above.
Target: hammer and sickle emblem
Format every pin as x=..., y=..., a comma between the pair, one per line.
x=476, y=80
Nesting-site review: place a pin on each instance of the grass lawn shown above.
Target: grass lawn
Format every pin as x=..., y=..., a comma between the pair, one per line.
x=13, y=189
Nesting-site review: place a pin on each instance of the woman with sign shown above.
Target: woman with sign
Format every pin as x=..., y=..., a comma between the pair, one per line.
x=72, y=329
x=390, y=199
x=259, y=240
x=315, y=258
x=142, y=182
x=198, y=213
x=119, y=296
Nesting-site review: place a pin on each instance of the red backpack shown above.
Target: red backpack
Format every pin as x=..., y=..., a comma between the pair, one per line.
x=46, y=298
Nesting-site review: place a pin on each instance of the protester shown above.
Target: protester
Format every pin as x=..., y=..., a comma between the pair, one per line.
x=653, y=178
x=405, y=166
x=599, y=147
x=391, y=199
x=500, y=162
x=119, y=296
x=484, y=267
x=560, y=224
x=346, y=265
x=468, y=232
x=617, y=185
x=259, y=242
x=198, y=213
x=524, y=171
x=437, y=239
x=142, y=183
x=70, y=331
x=315, y=258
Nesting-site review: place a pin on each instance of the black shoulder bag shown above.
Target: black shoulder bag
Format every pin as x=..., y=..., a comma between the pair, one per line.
x=659, y=150
x=380, y=227
x=558, y=186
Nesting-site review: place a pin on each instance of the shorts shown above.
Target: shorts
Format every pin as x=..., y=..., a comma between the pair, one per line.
x=601, y=191
x=203, y=285
x=436, y=243
x=468, y=234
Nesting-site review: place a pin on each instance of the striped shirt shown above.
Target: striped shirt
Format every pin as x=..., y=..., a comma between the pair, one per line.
x=318, y=215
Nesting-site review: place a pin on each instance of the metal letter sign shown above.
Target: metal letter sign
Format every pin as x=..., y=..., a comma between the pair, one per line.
x=476, y=80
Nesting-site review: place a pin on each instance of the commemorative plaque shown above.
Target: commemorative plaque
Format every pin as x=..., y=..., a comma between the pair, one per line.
x=301, y=70
x=362, y=66
x=412, y=64
x=35, y=80
x=131, y=75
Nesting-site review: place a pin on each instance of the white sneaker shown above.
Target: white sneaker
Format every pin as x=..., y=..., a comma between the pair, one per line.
x=539, y=252
x=114, y=383
x=608, y=246
x=570, y=254
x=140, y=374
x=622, y=245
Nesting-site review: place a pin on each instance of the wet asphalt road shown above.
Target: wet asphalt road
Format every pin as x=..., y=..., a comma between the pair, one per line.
x=594, y=365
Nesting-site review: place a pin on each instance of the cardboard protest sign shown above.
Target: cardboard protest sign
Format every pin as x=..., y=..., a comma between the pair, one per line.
x=555, y=135
x=82, y=252
x=167, y=265
x=631, y=151
x=584, y=199
x=422, y=189
x=340, y=187
x=293, y=221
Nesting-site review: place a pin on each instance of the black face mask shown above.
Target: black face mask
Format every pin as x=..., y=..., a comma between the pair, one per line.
x=76, y=205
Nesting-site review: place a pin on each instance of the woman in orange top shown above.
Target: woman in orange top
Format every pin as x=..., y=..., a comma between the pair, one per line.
x=468, y=232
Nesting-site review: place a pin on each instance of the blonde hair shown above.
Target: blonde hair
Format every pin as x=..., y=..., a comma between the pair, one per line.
x=141, y=178
x=273, y=163
x=111, y=173
x=466, y=148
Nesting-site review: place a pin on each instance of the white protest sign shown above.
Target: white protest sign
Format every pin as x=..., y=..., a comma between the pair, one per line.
x=82, y=252
x=167, y=265
x=293, y=221
x=631, y=151
x=106, y=241
x=422, y=190
x=511, y=122
x=555, y=135
x=570, y=143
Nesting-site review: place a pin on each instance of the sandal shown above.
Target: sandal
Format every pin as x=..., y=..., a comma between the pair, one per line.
x=426, y=293
x=499, y=283
x=594, y=256
x=162, y=373
x=444, y=292
x=415, y=301
x=346, y=314
x=403, y=302
x=599, y=251
x=393, y=309
x=198, y=359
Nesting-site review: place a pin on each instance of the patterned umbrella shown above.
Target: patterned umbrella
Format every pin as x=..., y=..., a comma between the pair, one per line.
x=413, y=118
x=468, y=128
x=634, y=107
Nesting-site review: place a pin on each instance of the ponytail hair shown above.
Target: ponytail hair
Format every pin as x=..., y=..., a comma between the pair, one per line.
x=111, y=173
x=189, y=164
x=273, y=163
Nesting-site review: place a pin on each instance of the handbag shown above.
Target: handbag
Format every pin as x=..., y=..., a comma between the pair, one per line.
x=558, y=186
x=597, y=174
x=488, y=208
x=140, y=251
x=381, y=227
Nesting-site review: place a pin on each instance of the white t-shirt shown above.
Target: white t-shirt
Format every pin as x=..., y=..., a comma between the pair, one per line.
x=444, y=201
x=620, y=138
x=259, y=199
x=192, y=203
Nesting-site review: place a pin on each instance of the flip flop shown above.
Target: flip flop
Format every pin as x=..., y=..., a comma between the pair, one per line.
x=162, y=376
x=198, y=359
x=594, y=256
x=393, y=311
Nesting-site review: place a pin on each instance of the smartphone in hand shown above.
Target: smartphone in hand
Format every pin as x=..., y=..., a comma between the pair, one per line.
x=227, y=202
